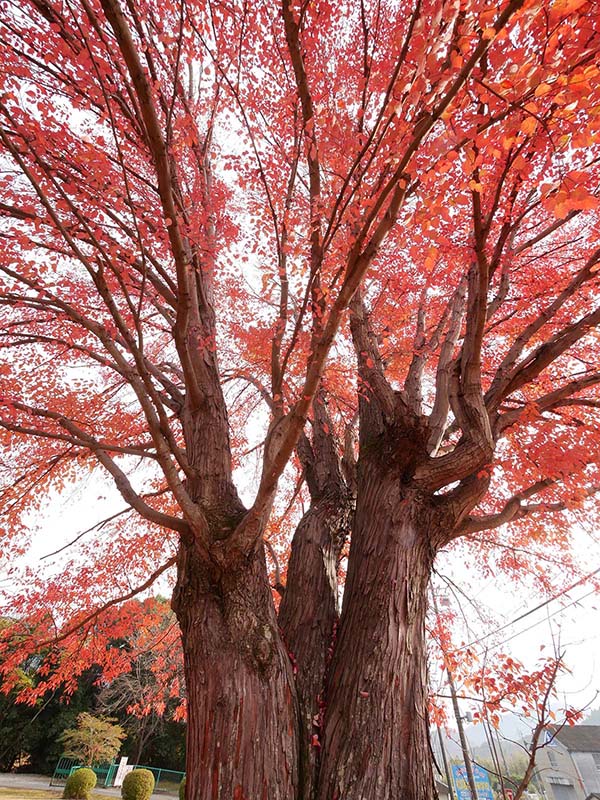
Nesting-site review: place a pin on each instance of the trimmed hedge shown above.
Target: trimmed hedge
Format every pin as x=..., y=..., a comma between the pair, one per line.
x=137, y=785
x=79, y=784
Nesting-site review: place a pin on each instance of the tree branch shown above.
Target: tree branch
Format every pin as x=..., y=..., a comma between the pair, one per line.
x=514, y=509
x=114, y=602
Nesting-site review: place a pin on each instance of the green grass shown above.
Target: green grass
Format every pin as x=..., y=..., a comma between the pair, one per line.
x=37, y=794
x=28, y=794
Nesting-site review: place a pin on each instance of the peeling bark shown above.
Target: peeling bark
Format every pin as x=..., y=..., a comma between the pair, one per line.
x=242, y=717
x=308, y=617
x=376, y=742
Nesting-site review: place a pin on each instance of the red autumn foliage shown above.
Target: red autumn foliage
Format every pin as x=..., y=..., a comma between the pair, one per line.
x=385, y=218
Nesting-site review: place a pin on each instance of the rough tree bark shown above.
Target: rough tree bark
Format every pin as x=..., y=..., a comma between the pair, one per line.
x=309, y=610
x=376, y=741
x=242, y=719
x=376, y=735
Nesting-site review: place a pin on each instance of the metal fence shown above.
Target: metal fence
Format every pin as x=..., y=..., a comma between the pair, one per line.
x=166, y=780
x=63, y=769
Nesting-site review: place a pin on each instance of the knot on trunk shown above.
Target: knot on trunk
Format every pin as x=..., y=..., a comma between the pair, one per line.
x=254, y=636
x=396, y=450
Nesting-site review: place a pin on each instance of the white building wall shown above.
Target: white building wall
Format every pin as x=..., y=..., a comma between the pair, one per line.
x=558, y=774
x=588, y=766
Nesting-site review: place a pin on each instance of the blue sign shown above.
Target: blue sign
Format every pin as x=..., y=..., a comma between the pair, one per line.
x=461, y=783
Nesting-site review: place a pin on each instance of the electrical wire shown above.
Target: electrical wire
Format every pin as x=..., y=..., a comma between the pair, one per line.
x=540, y=622
x=532, y=611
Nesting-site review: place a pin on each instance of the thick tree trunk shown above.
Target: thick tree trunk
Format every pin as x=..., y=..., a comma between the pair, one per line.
x=242, y=717
x=376, y=742
x=309, y=613
x=308, y=617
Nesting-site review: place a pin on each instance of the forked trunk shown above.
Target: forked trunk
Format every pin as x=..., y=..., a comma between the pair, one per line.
x=308, y=617
x=376, y=743
x=242, y=718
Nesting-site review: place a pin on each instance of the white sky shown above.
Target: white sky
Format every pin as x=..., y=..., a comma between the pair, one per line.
x=569, y=624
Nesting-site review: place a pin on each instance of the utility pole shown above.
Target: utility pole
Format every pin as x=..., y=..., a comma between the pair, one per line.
x=501, y=772
x=459, y=723
x=462, y=737
x=445, y=760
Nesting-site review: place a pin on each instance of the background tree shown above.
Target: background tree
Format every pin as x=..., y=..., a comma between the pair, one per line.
x=30, y=734
x=95, y=740
x=155, y=203
x=34, y=714
x=143, y=691
x=148, y=699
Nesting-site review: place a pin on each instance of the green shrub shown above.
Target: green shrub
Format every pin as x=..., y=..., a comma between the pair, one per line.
x=137, y=785
x=182, y=790
x=79, y=784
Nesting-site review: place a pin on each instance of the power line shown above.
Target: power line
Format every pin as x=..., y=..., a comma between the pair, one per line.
x=535, y=624
x=532, y=611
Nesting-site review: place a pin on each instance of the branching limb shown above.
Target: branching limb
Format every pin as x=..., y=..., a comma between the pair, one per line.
x=292, y=33
x=515, y=509
x=370, y=364
x=99, y=525
x=439, y=414
x=185, y=279
x=84, y=621
x=563, y=396
x=511, y=375
x=413, y=385
x=467, y=402
x=543, y=712
x=278, y=365
x=278, y=585
x=243, y=375
x=78, y=437
x=543, y=355
x=321, y=465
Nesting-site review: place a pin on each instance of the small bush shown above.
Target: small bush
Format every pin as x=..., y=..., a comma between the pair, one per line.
x=182, y=790
x=137, y=785
x=79, y=784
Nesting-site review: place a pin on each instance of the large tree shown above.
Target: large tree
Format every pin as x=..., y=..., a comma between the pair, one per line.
x=193, y=195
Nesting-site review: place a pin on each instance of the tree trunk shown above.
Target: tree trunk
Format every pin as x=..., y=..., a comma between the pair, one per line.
x=309, y=612
x=308, y=617
x=376, y=742
x=242, y=717
x=141, y=744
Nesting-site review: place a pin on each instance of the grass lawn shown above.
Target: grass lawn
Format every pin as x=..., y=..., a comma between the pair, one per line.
x=29, y=794
x=38, y=794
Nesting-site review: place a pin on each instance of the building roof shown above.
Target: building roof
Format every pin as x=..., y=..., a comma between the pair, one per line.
x=578, y=738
